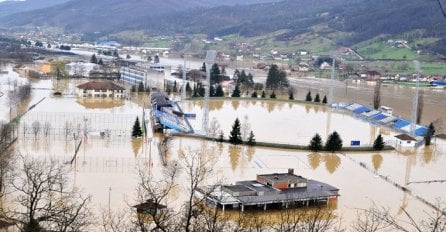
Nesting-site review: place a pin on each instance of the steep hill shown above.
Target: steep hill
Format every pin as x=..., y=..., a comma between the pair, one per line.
x=12, y=7
x=346, y=22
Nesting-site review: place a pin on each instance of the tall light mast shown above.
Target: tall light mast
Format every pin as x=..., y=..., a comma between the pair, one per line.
x=413, y=125
x=210, y=60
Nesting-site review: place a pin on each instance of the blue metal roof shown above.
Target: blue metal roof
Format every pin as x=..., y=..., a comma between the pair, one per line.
x=379, y=117
x=361, y=110
x=421, y=131
x=400, y=123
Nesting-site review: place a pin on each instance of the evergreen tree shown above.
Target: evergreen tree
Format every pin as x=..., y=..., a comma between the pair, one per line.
x=251, y=139
x=157, y=59
x=291, y=95
x=273, y=95
x=254, y=94
x=263, y=94
x=128, y=56
x=429, y=134
x=212, y=91
x=334, y=142
x=379, y=143
x=317, y=98
x=175, y=87
x=93, y=59
x=324, y=100
x=188, y=88
x=235, y=136
x=136, y=131
x=276, y=78
x=203, y=67
x=140, y=87
x=308, y=97
x=219, y=91
x=316, y=143
x=236, y=92
x=100, y=62
x=215, y=74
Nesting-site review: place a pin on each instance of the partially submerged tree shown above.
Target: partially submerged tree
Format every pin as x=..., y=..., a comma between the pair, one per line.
x=429, y=134
x=378, y=144
x=235, y=134
x=236, y=92
x=136, y=130
x=308, y=97
x=334, y=142
x=316, y=143
x=317, y=98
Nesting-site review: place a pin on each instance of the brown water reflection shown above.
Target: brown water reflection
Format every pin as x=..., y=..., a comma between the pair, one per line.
x=332, y=162
x=377, y=160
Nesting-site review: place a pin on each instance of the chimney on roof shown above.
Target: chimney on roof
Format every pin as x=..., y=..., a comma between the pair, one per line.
x=291, y=171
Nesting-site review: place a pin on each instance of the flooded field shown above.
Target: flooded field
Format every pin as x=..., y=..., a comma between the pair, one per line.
x=106, y=167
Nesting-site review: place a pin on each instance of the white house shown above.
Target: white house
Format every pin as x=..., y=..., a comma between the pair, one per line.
x=100, y=89
x=80, y=68
x=405, y=141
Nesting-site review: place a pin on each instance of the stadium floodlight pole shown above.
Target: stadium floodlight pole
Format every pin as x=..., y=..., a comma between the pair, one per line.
x=413, y=125
x=331, y=84
x=210, y=60
x=183, y=91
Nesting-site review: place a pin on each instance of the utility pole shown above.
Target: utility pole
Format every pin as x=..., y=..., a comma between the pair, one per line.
x=183, y=91
x=331, y=84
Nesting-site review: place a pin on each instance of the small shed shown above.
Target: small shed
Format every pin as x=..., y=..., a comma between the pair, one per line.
x=149, y=207
x=405, y=140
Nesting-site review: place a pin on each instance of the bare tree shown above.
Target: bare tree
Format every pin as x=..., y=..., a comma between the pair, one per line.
x=68, y=128
x=44, y=199
x=246, y=128
x=46, y=129
x=214, y=127
x=36, y=128
x=377, y=95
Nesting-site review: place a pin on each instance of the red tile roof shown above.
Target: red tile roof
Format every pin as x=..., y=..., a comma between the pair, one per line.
x=100, y=85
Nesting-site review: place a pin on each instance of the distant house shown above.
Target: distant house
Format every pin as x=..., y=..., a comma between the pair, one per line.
x=101, y=89
x=405, y=141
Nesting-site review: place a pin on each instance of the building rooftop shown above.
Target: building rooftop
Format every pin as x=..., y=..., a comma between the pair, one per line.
x=405, y=137
x=160, y=99
x=282, y=177
x=100, y=85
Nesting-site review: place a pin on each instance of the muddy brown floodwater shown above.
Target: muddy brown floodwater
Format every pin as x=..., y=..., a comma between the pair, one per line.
x=106, y=168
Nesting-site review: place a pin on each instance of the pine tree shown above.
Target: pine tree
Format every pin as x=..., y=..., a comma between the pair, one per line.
x=316, y=143
x=136, y=131
x=215, y=74
x=273, y=95
x=188, y=88
x=203, y=67
x=235, y=136
x=263, y=94
x=317, y=98
x=254, y=94
x=100, y=62
x=219, y=91
x=308, y=97
x=290, y=96
x=140, y=87
x=334, y=142
x=93, y=59
x=324, y=100
x=236, y=92
x=379, y=143
x=251, y=139
x=157, y=59
x=429, y=134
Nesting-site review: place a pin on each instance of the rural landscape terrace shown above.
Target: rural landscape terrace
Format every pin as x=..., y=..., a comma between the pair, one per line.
x=261, y=115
